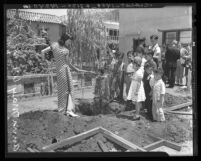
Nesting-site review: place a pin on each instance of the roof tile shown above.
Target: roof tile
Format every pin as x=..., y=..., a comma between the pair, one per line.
x=30, y=16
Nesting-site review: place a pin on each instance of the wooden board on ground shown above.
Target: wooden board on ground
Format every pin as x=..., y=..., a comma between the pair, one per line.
x=161, y=142
x=120, y=141
x=107, y=134
x=178, y=112
x=72, y=140
x=183, y=105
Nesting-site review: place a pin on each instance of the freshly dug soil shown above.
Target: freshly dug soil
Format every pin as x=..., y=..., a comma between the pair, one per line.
x=91, y=107
x=171, y=100
x=42, y=127
x=91, y=145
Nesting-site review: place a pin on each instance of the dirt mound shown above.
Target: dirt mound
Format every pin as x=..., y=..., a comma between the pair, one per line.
x=40, y=127
x=95, y=107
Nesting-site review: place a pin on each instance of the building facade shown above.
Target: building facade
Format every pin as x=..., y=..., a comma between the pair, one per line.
x=169, y=23
x=38, y=21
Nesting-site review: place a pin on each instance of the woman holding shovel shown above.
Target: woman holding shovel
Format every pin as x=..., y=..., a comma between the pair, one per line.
x=64, y=77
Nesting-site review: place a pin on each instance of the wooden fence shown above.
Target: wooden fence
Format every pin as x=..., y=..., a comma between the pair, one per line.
x=44, y=83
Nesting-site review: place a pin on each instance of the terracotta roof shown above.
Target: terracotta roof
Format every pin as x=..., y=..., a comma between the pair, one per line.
x=31, y=16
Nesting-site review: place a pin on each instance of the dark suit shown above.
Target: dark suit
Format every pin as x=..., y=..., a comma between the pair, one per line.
x=171, y=56
x=147, y=89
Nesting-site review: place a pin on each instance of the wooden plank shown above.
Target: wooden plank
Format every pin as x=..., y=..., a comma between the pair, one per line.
x=154, y=145
x=28, y=94
x=71, y=140
x=179, y=112
x=52, y=82
x=48, y=82
x=32, y=150
x=154, y=137
x=120, y=141
x=102, y=146
x=179, y=106
x=172, y=145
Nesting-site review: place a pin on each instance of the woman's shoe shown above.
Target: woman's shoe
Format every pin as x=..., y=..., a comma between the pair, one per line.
x=72, y=114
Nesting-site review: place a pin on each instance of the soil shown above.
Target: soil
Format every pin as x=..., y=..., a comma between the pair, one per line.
x=43, y=126
x=91, y=145
x=171, y=100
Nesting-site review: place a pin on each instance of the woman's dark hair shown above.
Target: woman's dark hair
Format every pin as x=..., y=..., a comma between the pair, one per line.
x=63, y=39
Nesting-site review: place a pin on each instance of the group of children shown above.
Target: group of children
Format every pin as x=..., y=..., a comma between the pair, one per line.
x=144, y=84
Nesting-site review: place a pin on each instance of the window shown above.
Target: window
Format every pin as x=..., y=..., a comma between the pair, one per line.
x=115, y=32
x=185, y=37
x=111, y=32
x=170, y=36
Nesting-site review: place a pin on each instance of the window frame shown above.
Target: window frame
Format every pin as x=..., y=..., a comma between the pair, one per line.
x=178, y=31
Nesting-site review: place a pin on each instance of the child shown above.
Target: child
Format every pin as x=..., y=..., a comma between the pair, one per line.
x=158, y=89
x=102, y=85
x=129, y=71
x=141, y=54
x=102, y=92
x=148, y=75
x=136, y=91
x=149, y=58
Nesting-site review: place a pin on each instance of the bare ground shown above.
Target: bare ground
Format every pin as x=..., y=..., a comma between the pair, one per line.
x=39, y=124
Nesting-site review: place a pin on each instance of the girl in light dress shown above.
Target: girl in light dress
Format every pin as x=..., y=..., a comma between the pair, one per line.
x=158, y=95
x=136, y=92
x=141, y=53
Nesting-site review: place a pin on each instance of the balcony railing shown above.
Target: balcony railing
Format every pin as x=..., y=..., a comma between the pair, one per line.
x=113, y=38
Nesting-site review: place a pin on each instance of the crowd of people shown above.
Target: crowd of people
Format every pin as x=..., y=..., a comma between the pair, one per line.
x=143, y=79
x=138, y=77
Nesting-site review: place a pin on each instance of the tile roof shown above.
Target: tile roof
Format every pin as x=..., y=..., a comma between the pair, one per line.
x=31, y=16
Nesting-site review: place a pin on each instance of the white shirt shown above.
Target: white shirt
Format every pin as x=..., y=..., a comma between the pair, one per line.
x=157, y=51
x=143, y=62
x=130, y=68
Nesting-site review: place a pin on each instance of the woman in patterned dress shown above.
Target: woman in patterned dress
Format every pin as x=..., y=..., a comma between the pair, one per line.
x=64, y=77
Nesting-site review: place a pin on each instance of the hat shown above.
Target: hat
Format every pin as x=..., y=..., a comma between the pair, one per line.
x=154, y=37
x=138, y=60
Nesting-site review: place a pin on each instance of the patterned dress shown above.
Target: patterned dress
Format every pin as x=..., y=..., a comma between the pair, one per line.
x=64, y=78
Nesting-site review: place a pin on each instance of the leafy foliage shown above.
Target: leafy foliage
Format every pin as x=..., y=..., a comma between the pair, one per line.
x=89, y=35
x=22, y=42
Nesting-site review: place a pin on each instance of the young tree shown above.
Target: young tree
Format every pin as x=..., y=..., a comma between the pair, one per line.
x=22, y=57
x=89, y=35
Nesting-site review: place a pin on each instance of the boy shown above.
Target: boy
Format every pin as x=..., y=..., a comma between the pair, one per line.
x=148, y=75
x=149, y=58
x=158, y=95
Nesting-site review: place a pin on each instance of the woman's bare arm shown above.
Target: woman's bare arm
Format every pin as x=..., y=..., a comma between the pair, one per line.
x=45, y=51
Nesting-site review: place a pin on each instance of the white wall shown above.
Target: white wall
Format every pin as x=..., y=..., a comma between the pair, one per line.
x=148, y=21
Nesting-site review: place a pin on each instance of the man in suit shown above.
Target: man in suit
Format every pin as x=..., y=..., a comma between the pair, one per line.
x=172, y=55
